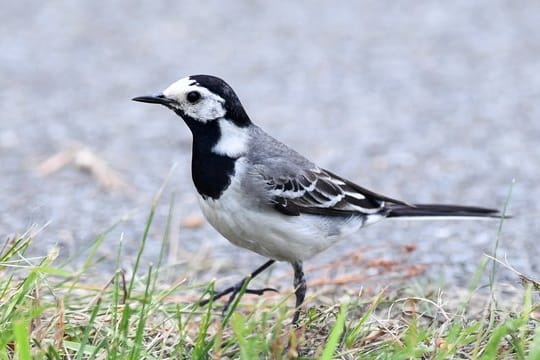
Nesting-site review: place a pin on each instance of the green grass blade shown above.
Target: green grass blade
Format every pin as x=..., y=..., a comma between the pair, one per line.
x=139, y=335
x=87, y=330
x=117, y=290
x=201, y=348
x=22, y=340
x=357, y=329
x=235, y=303
x=499, y=237
x=499, y=332
x=534, y=351
x=88, y=261
x=148, y=224
x=334, y=338
x=141, y=248
x=164, y=241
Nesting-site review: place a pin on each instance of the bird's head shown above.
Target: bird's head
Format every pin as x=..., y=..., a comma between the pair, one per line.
x=201, y=98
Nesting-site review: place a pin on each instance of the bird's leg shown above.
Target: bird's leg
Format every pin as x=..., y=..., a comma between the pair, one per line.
x=235, y=289
x=300, y=288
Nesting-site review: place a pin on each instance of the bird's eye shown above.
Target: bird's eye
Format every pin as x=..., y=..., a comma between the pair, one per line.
x=193, y=96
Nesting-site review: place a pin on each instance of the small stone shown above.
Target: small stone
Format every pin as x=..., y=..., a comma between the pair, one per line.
x=193, y=221
x=409, y=248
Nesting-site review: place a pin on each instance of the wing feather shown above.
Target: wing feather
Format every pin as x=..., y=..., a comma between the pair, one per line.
x=319, y=191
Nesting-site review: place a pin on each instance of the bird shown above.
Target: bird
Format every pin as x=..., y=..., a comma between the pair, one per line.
x=263, y=196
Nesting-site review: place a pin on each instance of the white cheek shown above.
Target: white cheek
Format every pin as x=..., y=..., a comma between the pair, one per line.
x=208, y=109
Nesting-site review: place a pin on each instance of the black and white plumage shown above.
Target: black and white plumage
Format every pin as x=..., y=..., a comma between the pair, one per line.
x=263, y=196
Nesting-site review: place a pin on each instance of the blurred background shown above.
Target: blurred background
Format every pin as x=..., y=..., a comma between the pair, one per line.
x=423, y=101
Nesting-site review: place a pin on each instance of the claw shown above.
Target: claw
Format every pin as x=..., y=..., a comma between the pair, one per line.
x=236, y=291
x=237, y=287
x=261, y=291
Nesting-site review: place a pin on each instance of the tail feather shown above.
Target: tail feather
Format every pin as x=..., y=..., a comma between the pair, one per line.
x=441, y=210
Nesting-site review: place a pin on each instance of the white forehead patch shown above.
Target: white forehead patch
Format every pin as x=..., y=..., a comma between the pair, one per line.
x=179, y=88
x=209, y=107
x=233, y=141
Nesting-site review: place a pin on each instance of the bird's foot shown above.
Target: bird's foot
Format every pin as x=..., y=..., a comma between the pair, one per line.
x=234, y=291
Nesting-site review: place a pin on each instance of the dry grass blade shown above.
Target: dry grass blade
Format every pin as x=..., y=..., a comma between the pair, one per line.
x=60, y=330
x=85, y=159
x=524, y=279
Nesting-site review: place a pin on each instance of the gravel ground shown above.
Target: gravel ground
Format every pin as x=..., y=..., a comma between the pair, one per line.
x=425, y=101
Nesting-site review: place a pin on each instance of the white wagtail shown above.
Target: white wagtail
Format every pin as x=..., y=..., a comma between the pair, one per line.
x=263, y=196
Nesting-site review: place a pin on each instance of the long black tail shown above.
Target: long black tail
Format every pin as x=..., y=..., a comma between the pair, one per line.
x=440, y=210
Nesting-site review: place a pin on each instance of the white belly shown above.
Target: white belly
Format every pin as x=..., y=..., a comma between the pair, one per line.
x=270, y=233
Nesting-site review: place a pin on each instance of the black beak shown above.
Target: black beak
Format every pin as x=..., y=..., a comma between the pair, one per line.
x=155, y=99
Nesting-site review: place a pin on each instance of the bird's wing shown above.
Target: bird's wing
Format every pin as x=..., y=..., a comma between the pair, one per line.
x=318, y=191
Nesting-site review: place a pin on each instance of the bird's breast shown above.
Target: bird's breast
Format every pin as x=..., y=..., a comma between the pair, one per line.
x=217, y=147
x=211, y=174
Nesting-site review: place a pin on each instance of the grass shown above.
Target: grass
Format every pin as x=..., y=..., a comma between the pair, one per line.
x=49, y=312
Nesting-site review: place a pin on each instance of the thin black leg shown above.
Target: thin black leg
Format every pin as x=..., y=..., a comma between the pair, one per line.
x=235, y=289
x=300, y=288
